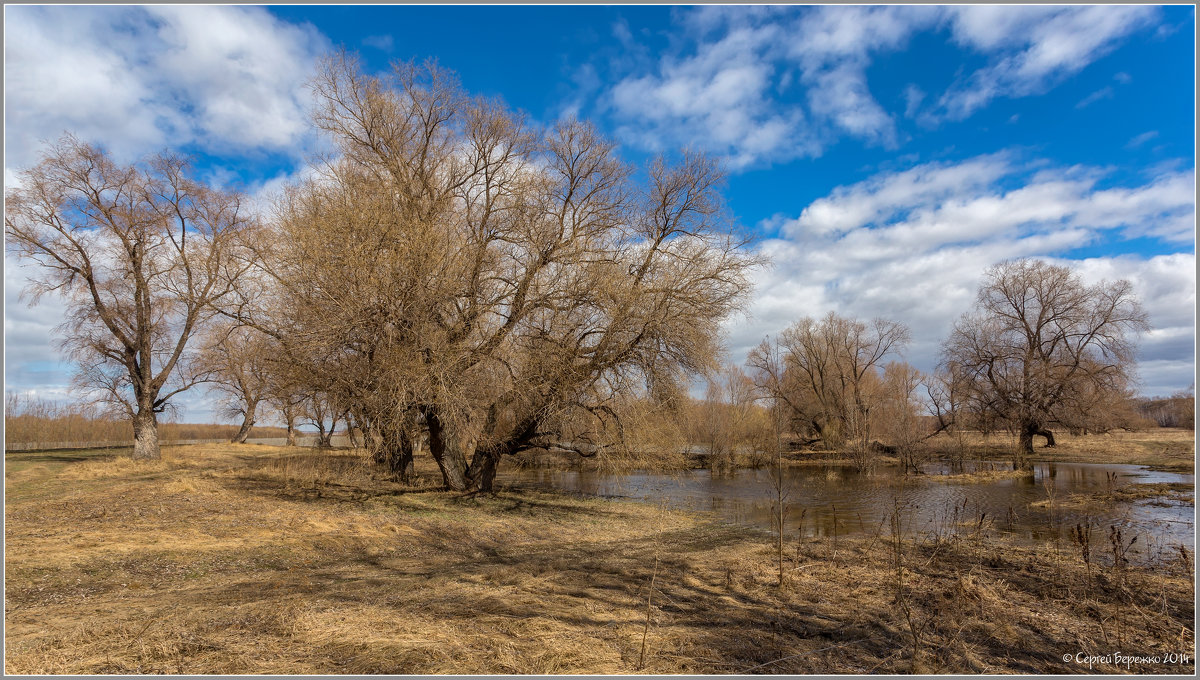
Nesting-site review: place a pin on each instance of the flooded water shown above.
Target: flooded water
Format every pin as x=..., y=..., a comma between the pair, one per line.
x=836, y=500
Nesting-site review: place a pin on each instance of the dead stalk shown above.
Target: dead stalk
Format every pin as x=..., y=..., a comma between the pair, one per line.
x=646, y=627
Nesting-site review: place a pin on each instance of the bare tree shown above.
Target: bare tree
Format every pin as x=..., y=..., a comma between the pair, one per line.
x=286, y=400
x=325, y=412
x=238, y=360
x=500, y=286
x=898, y=415
x=826, y=374
x=1178, y=410
x=140, y=253
x=1041, y=347
x=728, y=419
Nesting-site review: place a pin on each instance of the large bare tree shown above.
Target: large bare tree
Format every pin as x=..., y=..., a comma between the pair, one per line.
x=140, y=253
x=500, y=286
x=1043, y=349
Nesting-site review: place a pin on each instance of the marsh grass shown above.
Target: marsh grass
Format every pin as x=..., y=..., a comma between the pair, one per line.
x=244, y=559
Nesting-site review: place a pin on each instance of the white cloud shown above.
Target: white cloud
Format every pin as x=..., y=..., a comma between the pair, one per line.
x=1102, y=93
x=139, y=79
x=719, y=95
x=727, y=90
x=380, y=42
x=1166, y=287
x=136, y=80
x=848, y=208
x=912, y=245
x=31, y=363
x=769, y=84
x=1033, y=48
x=913, y=96
x=1141, y=139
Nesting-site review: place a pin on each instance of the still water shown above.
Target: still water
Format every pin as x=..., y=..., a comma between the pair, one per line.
x=829, y=500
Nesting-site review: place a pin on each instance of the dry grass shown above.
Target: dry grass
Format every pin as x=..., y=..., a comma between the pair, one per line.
x=247, y=559
x=978, y=476
x=1170, y=449
x=1165, y=493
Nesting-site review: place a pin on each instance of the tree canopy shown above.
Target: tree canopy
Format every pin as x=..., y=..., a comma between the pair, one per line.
x=1042, y=348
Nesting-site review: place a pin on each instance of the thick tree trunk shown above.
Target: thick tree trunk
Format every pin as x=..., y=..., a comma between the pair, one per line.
x=243, y=432
x=482, y=473
x=145, y=435
x=447, y=446
x=1024, y=459
x=395, y=453
x=291, y=431
x=324, y=439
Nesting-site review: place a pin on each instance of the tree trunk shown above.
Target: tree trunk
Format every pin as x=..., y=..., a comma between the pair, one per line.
x=447, y=445
x=482, y=473
x=395, y=453
x=145, y=435
x=243, y=432
x=1024, y=459
x=323, y=438
x=291, y=430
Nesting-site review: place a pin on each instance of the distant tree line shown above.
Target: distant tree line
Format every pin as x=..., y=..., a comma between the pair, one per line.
x=37, y=421
x=1177, y=410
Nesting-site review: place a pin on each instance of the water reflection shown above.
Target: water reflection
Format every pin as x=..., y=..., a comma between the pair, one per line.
x=836, y=500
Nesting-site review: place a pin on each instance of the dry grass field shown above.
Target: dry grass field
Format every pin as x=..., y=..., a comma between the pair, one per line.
x=1170, y=449
x=251, y=559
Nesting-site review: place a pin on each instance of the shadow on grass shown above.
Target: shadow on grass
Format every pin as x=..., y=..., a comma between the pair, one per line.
x=63, y=456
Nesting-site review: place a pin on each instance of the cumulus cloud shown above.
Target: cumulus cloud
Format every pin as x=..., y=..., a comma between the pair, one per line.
x=912, y=245
x=139, y=79
x=720, y=95
x=1166, y=286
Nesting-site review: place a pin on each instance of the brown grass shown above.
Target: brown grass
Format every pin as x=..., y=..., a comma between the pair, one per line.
x=1170, y=449
x=1161, y=492
x=41, y=422
x=979, y=476
x=249, y=559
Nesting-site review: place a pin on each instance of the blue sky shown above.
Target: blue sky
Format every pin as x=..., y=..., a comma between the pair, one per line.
x=884, y=155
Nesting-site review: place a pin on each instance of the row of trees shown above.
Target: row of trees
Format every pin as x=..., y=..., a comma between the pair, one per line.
x=1041, y=350
x=1177, y=410
x=457, y=278
x=455, y=275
